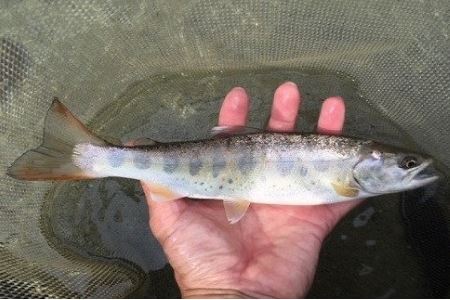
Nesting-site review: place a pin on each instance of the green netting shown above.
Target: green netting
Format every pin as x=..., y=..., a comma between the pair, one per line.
x=160, y=69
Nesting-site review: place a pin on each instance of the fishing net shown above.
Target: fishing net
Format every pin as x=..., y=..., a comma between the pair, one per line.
x=160, y=69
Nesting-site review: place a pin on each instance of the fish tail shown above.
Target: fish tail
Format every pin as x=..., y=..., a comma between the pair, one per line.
x=53, y=159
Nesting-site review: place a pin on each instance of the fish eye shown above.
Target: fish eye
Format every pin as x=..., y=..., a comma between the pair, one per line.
x=408, y=162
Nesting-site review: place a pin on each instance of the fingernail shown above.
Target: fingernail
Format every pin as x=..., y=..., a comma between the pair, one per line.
x=290, y=83
x=238, y=88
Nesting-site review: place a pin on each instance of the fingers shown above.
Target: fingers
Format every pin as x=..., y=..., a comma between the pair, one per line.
x=286, y=103
x=234, y=108
x=332, y=115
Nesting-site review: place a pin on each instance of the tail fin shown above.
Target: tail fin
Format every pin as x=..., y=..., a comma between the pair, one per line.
x=53, y=159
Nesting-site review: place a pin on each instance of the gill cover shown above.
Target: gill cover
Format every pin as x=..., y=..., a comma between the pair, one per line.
x=382, y=172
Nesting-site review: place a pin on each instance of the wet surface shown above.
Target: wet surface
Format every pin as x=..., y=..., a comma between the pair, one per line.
x=105, y=218
x=367, y=255
x=428, y=231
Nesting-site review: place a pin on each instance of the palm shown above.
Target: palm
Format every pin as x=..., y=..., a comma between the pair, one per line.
x=205, y=250
x=273, y=250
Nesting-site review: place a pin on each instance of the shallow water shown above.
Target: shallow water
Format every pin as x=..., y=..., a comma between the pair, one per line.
x=108, y=217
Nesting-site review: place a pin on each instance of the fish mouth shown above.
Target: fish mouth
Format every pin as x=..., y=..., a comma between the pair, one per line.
x=423, y=174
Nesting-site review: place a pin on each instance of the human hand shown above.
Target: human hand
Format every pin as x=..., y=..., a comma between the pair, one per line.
x=272, y=251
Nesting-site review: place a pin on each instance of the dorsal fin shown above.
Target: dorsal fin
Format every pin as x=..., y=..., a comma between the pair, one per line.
x=221, y=131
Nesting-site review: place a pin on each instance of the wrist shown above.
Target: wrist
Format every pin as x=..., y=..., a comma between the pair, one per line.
x=218, y=293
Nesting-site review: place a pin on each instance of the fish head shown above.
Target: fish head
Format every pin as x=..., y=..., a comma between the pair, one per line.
x=383, y=170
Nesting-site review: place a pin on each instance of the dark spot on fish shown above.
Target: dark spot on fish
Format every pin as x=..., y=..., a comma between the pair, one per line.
x=303, y=171
x=202, y=183
x=246, y=163
x=115, y=157
x=141, y=160
x=15, y=64
x=220, y=187
x=171, y=163
x=194, y=166
x=285, y=166
x=218, y=164
x=321, y=165
x=230, y=181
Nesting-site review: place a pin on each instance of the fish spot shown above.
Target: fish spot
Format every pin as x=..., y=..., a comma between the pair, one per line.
x=171, y=163
x=230, y=181
x=141, y=160
x=285, y=166
x=246, y=163
x=115, y=157
x=303, y=171
x=321, y=165
x=194, y=166
x=220, y=187
x=218, y=164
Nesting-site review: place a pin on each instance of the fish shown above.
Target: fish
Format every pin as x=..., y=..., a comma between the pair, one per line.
x=236, y=165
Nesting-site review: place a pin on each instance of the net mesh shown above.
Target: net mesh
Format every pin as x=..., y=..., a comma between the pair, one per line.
x=98, y=56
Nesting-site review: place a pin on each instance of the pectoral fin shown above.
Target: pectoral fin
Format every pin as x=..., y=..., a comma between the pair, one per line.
x=344, y=189
x=161, y=193
x=235, y=210
x=221, y=131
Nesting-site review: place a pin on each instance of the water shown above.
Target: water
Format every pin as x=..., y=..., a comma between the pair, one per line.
x=109, y=218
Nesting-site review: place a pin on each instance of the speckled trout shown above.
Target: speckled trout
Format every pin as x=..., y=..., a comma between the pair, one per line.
x=268, y=168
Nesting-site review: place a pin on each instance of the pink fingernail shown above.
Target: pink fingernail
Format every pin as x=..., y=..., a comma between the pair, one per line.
x=290, y=83
x=238, y=89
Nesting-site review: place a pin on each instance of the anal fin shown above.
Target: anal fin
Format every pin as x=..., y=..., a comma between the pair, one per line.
x=235, y=210
x=161, y=193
